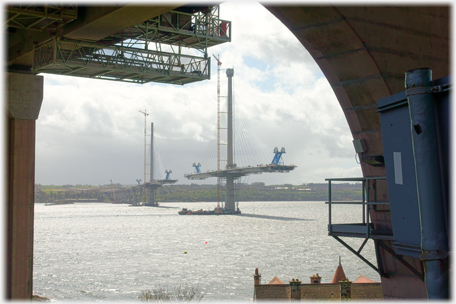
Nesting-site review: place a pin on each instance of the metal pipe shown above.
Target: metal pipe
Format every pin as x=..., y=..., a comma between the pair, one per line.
x=329, y=204
x=367, y=208
x=434, y=240
x=363, y=185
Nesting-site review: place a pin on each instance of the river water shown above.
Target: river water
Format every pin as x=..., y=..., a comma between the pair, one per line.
x=107, y=252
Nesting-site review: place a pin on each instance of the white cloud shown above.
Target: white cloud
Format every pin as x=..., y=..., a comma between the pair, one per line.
x=91, y=131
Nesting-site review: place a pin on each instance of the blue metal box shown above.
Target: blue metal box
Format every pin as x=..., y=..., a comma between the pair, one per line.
x=400, y=166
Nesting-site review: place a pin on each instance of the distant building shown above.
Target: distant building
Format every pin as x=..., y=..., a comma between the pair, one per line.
x=340, y=288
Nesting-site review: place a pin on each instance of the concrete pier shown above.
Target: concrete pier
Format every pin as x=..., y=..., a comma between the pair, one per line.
x=24, y=97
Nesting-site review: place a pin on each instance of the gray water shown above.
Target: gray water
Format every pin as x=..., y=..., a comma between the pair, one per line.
x=107, y=252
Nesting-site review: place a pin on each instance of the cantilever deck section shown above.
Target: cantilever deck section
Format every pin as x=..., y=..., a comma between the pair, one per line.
x=152, y=51
x=241, y=171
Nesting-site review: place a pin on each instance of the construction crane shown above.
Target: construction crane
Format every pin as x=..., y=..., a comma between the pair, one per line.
x=197, y=167
x=168, y=173
x=277, y=156
x=219, y=63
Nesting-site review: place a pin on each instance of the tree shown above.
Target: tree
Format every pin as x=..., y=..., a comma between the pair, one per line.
x=176, y=294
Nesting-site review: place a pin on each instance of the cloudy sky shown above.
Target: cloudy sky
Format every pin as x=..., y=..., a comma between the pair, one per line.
x=91, y=131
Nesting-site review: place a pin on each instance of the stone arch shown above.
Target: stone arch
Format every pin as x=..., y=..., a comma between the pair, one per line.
x=364, y=53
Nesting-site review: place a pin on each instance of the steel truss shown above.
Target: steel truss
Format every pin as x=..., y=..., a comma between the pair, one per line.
x=148, y=52
x=197, y=31
x=82, y=59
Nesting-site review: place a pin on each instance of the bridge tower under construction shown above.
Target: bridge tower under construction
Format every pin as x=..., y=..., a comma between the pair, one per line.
x=230, y=196
x=232, y=172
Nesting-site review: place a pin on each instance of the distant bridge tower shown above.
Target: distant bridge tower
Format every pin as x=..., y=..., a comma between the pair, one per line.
x=229, y=194
x=151, y=151
x=151, y=190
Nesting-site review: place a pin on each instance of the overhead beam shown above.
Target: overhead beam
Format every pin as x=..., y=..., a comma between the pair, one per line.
x=116, y=20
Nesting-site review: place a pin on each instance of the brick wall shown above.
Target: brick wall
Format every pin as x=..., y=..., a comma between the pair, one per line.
x=320, y=292
x=311, y=292
x=367, y=291
x=273, y=292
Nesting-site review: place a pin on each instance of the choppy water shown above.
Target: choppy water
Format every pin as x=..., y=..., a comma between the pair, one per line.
x=106, y=252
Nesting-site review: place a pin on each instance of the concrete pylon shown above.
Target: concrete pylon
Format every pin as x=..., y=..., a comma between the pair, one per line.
x=151, y=190
x=229, y=194
x=24, y=97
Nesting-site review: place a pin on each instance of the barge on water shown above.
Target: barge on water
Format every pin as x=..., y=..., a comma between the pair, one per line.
x=216, y=211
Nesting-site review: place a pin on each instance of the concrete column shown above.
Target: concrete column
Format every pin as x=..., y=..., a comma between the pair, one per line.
x=151, y=190
x=151, y=151
x=229, y=192
x=24, y=97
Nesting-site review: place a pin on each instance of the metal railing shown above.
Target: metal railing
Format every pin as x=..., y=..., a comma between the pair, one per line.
x=359, y=230
x=160, y=50
x=364, y=228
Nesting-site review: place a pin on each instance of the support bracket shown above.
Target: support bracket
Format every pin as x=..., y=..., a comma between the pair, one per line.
x=357, y=253
x=401, y=260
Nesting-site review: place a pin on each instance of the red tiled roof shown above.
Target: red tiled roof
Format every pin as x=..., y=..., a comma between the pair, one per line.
x=363, y=279
x=276, y=280
x=339, y=274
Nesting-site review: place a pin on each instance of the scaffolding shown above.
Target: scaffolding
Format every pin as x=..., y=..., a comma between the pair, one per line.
x=161, y=49
x=120, y=63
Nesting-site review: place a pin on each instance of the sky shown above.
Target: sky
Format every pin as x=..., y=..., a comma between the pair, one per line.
x=91, y=131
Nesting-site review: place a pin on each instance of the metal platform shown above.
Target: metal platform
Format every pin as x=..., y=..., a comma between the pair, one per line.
x=197, y=31
x=160, y=49
x=363, y=229
x=74, y=58
x=241, y=171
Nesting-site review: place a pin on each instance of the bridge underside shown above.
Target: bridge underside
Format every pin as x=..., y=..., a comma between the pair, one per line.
x=363, y=52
